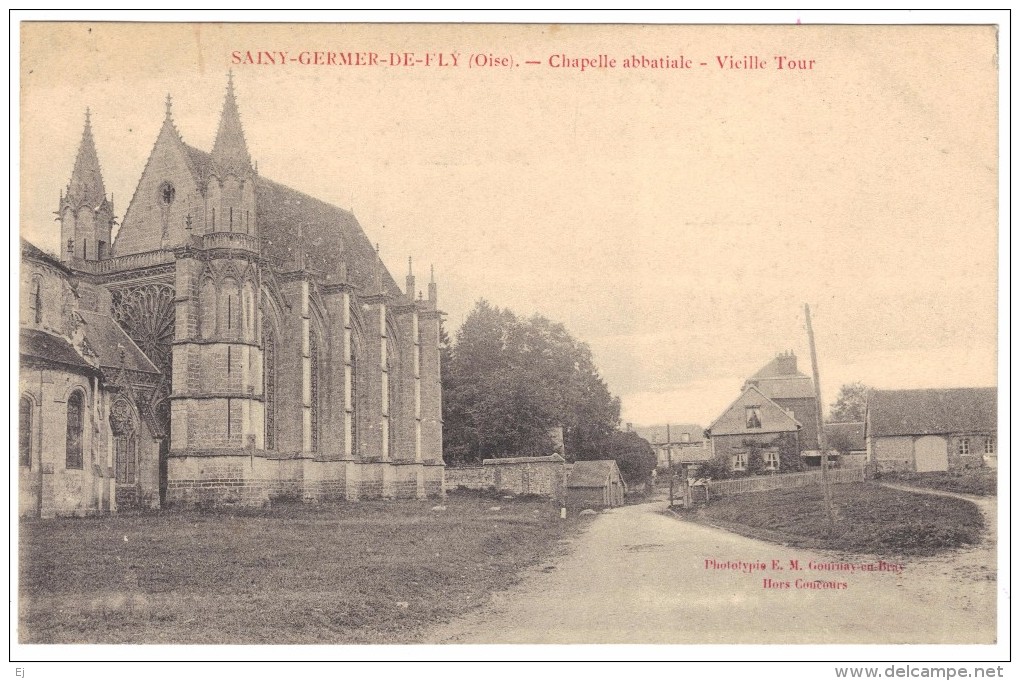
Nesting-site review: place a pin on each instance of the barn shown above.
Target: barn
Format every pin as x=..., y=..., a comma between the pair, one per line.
x=595, y=484
x=932, y=429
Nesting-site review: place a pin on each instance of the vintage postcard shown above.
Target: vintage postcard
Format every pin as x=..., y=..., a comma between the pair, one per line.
x=446, y=334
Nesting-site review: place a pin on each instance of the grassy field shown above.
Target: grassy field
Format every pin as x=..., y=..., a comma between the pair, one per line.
x=870, y=519
x=979, y=481
x=367, y=572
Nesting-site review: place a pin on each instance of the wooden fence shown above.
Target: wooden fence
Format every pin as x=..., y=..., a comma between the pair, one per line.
x=762, y=483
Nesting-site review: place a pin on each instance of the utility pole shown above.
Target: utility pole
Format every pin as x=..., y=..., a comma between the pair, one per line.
x=822, y=444
x=669, y=463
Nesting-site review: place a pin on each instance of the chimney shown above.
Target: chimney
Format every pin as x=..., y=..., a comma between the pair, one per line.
x=786, y=363
x=630, y=427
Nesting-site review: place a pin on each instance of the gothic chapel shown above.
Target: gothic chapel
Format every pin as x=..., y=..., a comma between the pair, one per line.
x=237, y=342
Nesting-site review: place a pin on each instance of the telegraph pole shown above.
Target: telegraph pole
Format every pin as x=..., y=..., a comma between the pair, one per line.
x=669, y=463
x=822, y=444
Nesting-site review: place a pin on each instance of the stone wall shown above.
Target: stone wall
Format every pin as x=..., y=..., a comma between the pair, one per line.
x=248, y=480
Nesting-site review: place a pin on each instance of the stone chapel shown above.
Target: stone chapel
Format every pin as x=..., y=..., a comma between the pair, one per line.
x=235, y=342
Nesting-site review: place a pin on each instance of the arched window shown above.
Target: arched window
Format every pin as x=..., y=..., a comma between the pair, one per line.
x=125, y=444
x=36, y=299
x=269, y=382
x=75, y=429
x=25, y=432
x=313, y=352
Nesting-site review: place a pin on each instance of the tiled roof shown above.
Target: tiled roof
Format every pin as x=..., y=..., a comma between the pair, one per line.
x=44, y=346
x=592, y=473
x=850, y=434
x=931, y=411
x=30, y=250
x=782, y=365
x=330, y=235
x=552, y=458
x=106, y=338
x=785, y=387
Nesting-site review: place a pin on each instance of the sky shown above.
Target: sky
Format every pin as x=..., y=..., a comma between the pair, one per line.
x=676, y=220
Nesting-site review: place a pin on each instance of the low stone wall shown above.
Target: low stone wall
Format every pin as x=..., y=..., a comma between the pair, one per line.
x=543, y=476
x=469, y=477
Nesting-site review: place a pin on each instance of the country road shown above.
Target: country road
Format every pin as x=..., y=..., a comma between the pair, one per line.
x=639, y=576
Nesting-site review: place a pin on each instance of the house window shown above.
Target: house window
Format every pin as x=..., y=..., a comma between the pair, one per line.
x=964, y=447
x=685, y=437
x=75, y=428
x=771, y=461
x=752, y=417
x=989, y=446
x=25, y=432
x=740, y=461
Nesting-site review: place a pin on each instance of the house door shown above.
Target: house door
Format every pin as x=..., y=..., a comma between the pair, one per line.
x=931, y=454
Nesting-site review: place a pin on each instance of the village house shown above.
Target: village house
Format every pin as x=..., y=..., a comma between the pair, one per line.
x=679, y=444
x=794, y=392
x=234, y=341
x=595, y=484
x=931, y=429
x=753, y=423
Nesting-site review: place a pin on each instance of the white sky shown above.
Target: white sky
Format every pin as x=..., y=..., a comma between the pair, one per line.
x=676, y=221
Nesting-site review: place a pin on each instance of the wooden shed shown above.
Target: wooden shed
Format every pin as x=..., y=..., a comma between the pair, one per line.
x=595, y=484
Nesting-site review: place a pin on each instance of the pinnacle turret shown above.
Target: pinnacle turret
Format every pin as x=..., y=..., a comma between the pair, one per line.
x=230, y=152
x=86, y=186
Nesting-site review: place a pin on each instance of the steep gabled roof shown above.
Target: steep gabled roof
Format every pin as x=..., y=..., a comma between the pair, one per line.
x=593, y=473
x=330, y=236
x=785, y=421
x=49, y=348
x=30, y=250
x=937, y=411
x=107, y=340
x=786, y=387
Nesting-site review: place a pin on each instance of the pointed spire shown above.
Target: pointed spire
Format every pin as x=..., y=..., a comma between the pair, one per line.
x=86, y=185
x=230, y=152
x=433, y=289
x=409, y=286
x=169, y=106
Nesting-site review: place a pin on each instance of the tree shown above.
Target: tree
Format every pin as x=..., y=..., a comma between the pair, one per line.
x=507, y=382
x=850, y=403
x=633, y=455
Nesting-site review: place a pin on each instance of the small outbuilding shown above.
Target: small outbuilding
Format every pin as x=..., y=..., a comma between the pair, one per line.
x=595, y=484
x=931, y=430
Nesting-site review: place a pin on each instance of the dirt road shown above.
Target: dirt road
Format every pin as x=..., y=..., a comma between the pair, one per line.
x=638, y=576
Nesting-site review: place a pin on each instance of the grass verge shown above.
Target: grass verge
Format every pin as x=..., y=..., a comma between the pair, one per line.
x=978, y=481
x=869, y=519
x=365, y=572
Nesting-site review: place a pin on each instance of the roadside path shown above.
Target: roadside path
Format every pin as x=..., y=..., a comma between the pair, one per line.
x=639, y=576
